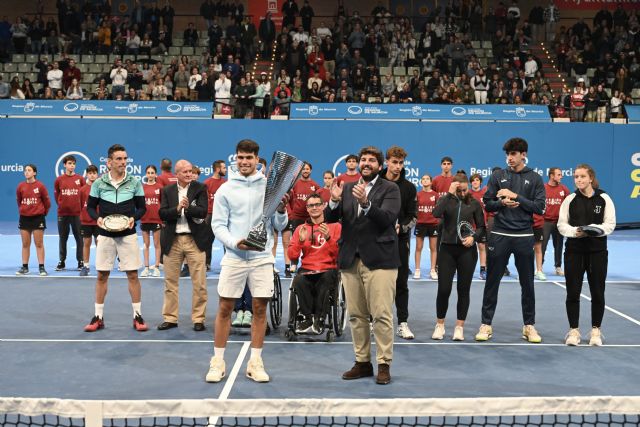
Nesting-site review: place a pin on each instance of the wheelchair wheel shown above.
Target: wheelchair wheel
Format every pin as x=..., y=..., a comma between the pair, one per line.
x=275, y=304
x=339, y=311
x=293, y=312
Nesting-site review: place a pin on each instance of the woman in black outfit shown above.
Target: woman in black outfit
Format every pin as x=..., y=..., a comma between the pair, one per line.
x=456, y=255
x=588, y=206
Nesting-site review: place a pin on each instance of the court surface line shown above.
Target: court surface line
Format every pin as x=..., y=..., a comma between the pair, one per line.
x=231, y=379
x=611, y=309
x=119, y=341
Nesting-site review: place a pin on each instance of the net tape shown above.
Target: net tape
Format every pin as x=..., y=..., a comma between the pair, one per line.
x=509, y=411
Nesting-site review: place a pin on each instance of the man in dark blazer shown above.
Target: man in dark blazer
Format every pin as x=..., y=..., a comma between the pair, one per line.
x=185, y=236
x=368, y=260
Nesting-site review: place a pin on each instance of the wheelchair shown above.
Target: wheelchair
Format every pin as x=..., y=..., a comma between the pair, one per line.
x=334, y=320
x=275, y=307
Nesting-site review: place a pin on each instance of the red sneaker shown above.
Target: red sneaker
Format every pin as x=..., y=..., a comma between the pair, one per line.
x=138, y=324
x=95, y=324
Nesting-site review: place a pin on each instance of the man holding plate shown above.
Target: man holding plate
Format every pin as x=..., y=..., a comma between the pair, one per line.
x=116, y=202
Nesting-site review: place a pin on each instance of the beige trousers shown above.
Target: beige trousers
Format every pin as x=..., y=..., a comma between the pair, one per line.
x=370, y=293
x=185, y=248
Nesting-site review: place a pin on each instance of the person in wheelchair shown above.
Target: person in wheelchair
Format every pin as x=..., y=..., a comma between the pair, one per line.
x=317, y=243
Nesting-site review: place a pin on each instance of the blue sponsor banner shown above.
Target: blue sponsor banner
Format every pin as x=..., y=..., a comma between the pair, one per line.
x=69, y=108
x=428, y=112
x=612, y=150
x=633, y=113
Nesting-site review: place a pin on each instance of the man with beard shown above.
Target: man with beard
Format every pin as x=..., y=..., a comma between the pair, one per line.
x=213, y=183
x=368, y=261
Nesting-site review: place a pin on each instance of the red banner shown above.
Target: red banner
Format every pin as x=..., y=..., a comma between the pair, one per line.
x=259, y=8
x=596, y=4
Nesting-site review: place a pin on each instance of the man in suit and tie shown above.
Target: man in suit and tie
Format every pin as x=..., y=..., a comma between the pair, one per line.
x=368, y=260
x=185, y=236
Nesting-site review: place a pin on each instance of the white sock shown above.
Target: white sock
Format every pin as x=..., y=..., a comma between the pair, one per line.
x=99, y=310
x=136, y=308
x=256, y=353
x=218, y=352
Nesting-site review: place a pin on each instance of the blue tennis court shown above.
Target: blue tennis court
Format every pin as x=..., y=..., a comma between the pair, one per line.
x=46, y=354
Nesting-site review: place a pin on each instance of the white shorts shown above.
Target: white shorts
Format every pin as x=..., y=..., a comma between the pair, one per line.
x=125, y=248
x=233, y=279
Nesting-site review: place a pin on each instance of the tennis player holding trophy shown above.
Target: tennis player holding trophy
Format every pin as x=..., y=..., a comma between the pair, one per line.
x=247, y=209
x=463, y=226
x=116, y=202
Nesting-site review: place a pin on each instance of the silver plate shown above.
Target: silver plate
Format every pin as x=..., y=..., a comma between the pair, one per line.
x=115, y=223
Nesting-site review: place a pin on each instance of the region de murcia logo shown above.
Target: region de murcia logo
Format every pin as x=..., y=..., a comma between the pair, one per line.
x=71, y=107
x=174, y=108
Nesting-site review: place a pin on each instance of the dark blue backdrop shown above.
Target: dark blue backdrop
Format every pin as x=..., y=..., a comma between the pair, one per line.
x=475, y=147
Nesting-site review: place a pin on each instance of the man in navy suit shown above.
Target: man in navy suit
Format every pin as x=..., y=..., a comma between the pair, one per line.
x=368, y=260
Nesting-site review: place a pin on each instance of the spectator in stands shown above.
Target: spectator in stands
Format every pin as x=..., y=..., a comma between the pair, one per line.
x=222, y=92
x=4, y=88
x=54, y=77
x=181, y=78
x=591, y=102
x=133, y=42
x=15, y=92
x=204, y=88
x=70, y=73
x=289, y=12
x=74, y=91
x=118, y=77
x=104, y=38
x=577, y=101
x=190, y=35
x=159, y=91
x=28, y=90
x=19, y=35
x=193, y=81
x=132, y=95
x=480, y=87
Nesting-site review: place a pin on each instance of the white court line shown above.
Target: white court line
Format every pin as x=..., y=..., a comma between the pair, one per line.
x=231, y=379
x=246, y=343
x=611, y=309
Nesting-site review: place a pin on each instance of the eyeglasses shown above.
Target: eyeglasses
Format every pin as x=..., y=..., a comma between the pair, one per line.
x=314, y=205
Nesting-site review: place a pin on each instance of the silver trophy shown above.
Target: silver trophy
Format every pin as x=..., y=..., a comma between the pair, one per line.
x=283, y=172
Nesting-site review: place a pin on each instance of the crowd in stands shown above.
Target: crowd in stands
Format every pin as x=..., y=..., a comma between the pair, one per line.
x=350, y=58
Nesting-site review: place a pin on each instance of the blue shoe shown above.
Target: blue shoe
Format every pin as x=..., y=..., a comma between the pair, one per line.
x=483, y=274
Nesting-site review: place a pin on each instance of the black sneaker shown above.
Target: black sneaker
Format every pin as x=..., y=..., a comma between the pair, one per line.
x=42, y=271
x=60, y=266
x=287, y=272
x=305, y=326
x=22, y=271
x=80, y=265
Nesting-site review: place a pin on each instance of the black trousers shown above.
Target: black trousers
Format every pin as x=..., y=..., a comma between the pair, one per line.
x=452, y=259
x=550, y=230
x=499, y=249
x=209, y=246
x=402, y=288
x=64, y=224
x=595, y=265
x=312, y=291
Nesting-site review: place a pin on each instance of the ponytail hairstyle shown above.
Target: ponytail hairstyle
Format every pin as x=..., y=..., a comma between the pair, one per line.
x=592, y=174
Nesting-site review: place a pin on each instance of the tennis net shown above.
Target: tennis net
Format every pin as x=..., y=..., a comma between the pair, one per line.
x=503, y=411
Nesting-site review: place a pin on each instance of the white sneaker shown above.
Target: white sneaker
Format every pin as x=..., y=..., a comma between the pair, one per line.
x=458, y=333
x=416, y=274
x=559, y=271
x=596, y=337
x=530, y=334
x=539, y=275
x=438, y=332
x=433, y=274
x=404, y=332
x=145, y=272
x=161, y=266
x=155, y=272
x=484, y=333
x=255, y=370
x=238, y=320
x=573, y=337
x=276, y=269
x=216, y=370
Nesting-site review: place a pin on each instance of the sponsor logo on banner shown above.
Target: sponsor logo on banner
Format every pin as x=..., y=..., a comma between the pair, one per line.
x=635, y=175
x=174, y=108
x=82, y=161
x=416, y=111
x=132, y=109
x=354, y=109
x=340, y=164
x=71, y=107
x=313, y=110
x=132, y=168
x=521, y=112
x=458, y=111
